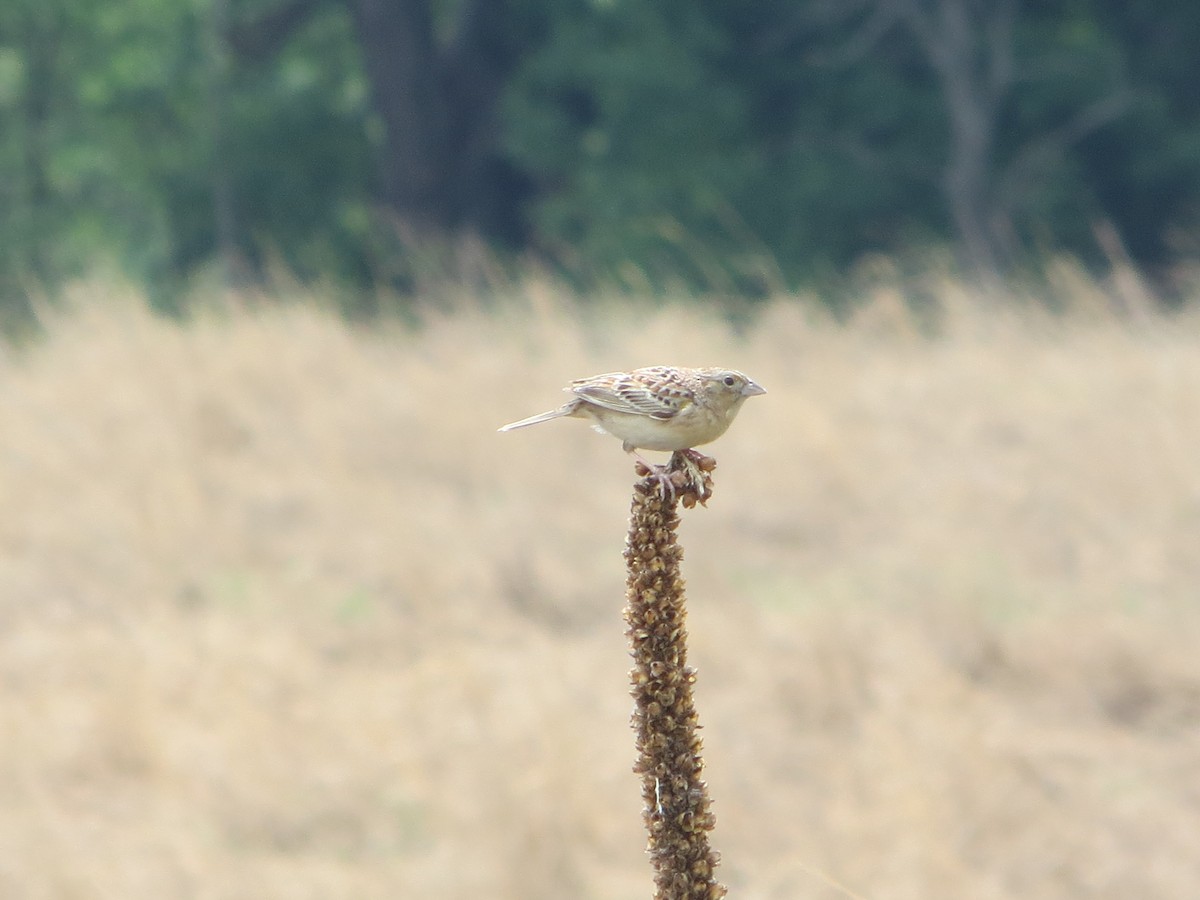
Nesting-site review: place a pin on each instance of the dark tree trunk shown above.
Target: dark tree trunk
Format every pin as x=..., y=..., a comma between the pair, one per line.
x=397, y=43
x=440, y=169
x=969, y=44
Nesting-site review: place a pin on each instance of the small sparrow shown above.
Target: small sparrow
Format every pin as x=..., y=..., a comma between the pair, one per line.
x=657, y=408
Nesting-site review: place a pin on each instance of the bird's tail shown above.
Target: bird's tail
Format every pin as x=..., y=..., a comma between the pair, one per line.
x=540, y=417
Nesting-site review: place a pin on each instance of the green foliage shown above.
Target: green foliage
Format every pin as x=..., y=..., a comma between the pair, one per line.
x=661, y=137
x=735, y=148
x=144, y=115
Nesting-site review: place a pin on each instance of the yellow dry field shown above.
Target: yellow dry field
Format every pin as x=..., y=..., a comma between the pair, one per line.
x=282, y=615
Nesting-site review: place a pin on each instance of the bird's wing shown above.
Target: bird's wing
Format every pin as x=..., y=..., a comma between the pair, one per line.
x=647, y=393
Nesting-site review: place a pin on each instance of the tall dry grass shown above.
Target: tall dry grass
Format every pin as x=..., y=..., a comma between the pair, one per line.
x=281, y=615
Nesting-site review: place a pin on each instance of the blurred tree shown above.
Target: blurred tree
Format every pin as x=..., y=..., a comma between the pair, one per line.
x=31, y=84
x=1145, y=168
x=694, y=143
x=80, y=89
x=434, y=84
x=1014, y=91
x=284, y=127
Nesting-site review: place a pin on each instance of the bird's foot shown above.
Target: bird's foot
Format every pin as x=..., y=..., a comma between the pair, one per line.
x=687, y=476
x=661, y=474
x=703, y=463
x=697, y=472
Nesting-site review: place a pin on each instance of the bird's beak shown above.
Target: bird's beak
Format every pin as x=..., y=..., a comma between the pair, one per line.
x=752, y=388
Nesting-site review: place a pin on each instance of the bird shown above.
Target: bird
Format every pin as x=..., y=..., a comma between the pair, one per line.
x=656, y=408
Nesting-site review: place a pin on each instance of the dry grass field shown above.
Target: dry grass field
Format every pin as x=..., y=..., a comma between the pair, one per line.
x=281, y=615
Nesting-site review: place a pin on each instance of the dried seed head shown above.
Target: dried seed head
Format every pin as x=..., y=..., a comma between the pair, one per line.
x=677, y=813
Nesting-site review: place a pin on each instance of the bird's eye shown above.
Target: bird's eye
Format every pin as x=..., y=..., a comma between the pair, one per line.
x=730, y=381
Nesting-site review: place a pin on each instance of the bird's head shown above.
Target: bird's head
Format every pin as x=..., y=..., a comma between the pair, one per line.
x=729, y=388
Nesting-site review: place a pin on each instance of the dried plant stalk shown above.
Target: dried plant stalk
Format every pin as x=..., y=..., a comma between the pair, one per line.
x=677, y=814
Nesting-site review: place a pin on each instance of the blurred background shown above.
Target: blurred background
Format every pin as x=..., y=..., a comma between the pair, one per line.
x=282, y=616
x=740, y=149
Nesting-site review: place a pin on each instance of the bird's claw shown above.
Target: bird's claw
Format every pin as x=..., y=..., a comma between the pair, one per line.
x=686, y=477
x=663, y=475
